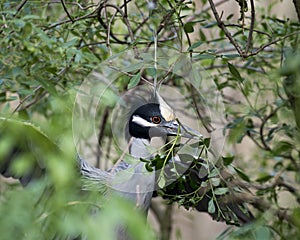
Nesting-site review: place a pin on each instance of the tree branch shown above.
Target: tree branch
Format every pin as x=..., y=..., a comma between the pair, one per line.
x=20, y=6
x=249, y=40
x=66, y=10
x=225, y=30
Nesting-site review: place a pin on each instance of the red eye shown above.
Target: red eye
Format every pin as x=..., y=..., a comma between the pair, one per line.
x=156, y=119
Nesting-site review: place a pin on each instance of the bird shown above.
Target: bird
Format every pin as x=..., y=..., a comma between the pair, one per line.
x=149, y=119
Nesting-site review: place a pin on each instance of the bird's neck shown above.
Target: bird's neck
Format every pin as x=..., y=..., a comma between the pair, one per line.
x=144, y=148
x=139, y=148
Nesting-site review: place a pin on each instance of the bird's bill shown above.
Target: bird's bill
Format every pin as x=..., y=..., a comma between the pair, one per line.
x=174, y=128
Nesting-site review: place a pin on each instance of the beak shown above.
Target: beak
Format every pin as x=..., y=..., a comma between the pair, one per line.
x=174, y=128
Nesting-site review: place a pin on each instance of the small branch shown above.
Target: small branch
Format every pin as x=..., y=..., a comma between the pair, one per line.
x=77, y=4
x=66, y=10
x=121, y=157
x=255, y=141
x=271, y=43
x=126, y=22
x=164, y=22
x=164, y=217
x=225, y=30
x=20, y=6
x=204, y=9
x=87, y=16
x=101, y=135
x=108, y=28
x=297, y=8
x=245, y=28
x=261, y=129
x=37, y=97
x=259, y=70
x=259, y=204
x=26, y=98
x=249, y=40
x=276, y=181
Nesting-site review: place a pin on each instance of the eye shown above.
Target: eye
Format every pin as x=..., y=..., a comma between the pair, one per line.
x=156, y=119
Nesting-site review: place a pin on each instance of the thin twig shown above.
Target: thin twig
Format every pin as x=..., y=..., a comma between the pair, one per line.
x=245, y=28
x=77, y=4
x=225, y=30
x=250, y=36
x=261, y=129
x=19, y=7
x=164, y=22
x=204, y=9
x=121, y=157
x=66, y=10
x=260, y=70
x=127, y=23
x=87, y=16
x=271, y=43
x=101, y=135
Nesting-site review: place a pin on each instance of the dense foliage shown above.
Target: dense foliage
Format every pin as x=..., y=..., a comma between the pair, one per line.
x=48, y=48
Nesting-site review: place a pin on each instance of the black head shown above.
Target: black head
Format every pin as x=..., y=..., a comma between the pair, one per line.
x=151, y=120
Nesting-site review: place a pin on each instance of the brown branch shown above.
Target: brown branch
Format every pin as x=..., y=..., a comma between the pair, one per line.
x=271, y=43
x=66, y=10
x=77, y=4
x=261, y=129
x=19, y=7
x=37, y=97
x=251, y=30
x=276, y=181
x=204, y=9
x=126, y=22
x=87, y=16
x=164, y=217
x=164, y=22
x=258, y=203
x=101, y=135
x=26, y=98
x=237, y=66
x=297, y=8
x=245, y=28
x=225, y=30
x=250, y=36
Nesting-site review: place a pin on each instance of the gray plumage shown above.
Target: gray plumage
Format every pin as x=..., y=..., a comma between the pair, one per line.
x=131, y=180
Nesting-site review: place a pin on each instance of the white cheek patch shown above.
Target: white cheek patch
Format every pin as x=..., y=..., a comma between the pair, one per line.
x=142, y=122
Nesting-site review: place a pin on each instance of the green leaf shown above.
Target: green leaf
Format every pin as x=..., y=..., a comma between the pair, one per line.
x=70, y=43
x=203, y=56
x=194, y=45
x=134, y=81
x=161, y=181
x=151, y=72
x=220, y=191
x=227, y=160
x=213, y=173
x=242, y=174
x=134, y=67
x=282, y=147
x=215, y=181
x=206, y=142
x=211, y=206
x=148, y=167
x=188, y=27
x=264, y=177
x=27, y=29
x=234, y=72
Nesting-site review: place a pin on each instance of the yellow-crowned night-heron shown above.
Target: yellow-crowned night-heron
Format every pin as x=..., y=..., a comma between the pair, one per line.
x=147, y=121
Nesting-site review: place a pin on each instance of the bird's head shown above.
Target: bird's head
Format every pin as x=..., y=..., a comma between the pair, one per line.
x=157, y=120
